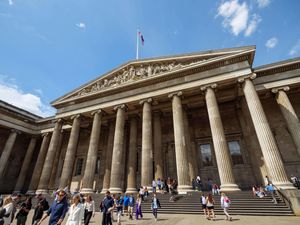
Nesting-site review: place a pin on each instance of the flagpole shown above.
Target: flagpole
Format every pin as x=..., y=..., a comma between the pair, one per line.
x=137, y=44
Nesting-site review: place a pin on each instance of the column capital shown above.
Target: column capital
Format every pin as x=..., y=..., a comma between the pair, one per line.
x=76, y=116
x=251, y=76
x=178, y=93
x=122, y=106
x=45, y=134
x=15, y=131
x=149, y=100
x=283, y=88
x=205, y=87
x=99, y=111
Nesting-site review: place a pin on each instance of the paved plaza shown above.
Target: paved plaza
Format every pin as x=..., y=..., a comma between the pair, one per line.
x=171, y=219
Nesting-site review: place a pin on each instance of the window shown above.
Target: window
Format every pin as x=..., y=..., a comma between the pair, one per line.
x=79, y=164
x=235, y=152
x=206, y=155
x=97, y=168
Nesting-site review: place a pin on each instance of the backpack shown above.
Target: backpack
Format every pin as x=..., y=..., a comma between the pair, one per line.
x=227, y=200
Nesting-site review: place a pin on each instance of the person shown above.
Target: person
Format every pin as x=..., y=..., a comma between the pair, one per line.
x=41, y=206
x=210, y=207
x=203, y=203
x=58, y=210
x=155, y=204
x=146, y=192
x=125, y=204
x=76, y=211
x=138, y=211
x=107, y=207
x=225, y=204
x=89, y=209
x=215, y=189
x=141, y=192
x=198, y=183
x=267, y=180
x=254, y=190
x=194, y=184
x=130, y=206
x=154, y=186
x=271, y=191
x=8, y=205
x=119, y=205
x=209, y=184
x=23, y=212
x=159, y=184
x=295, y=181
x=1, y=200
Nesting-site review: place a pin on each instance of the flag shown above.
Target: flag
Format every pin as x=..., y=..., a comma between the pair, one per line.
x=142, y=37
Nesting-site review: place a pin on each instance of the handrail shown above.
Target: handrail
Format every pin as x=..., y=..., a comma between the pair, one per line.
x=283, y=196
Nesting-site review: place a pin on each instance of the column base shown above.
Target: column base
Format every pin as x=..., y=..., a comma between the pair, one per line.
x=229, y=187
x=184, y=189
x=30, y=192
x=42, y=191
x=104, y=190
x=284, y=185
x=87, y=191
x=115, y=190
x=131, y=191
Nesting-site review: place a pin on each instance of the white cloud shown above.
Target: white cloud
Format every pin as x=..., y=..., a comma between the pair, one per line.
x=295, y=49
x=81, y=25
x=236, y=17
x=263, y=3
x=272, y=42
x=12, y=94
x=10, y=2
x=252, y=25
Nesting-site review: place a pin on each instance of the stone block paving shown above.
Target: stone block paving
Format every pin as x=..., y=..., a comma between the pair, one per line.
x=176, y=219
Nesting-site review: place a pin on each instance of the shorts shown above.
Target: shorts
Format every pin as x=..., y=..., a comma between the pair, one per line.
x=210, y=207
x=204, y=206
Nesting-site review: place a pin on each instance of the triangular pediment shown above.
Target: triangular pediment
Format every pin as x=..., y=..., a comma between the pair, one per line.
x=135, y=71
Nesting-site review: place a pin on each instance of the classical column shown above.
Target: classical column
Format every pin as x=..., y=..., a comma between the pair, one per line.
x=132, y=157
x=7, y=151
x=47, y=168
x=25, y=165
x=289, y=114
x=219, y=140
x=115, y=178
x=66, y=175
x=191, y=156
x=39, y=163
x=147, y=152
x=265, y=136
x=52, y=182
x=184, y=182
x=89, y=172
x=108, y=157
x=158, y=156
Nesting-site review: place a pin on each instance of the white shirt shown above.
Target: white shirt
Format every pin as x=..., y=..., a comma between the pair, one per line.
x=89, y=206
x=76, y=213
x=224, y=204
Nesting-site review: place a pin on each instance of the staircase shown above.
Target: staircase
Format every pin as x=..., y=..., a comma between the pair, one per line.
x=242, y=203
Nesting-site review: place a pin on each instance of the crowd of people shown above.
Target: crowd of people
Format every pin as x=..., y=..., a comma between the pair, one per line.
x=82, y=208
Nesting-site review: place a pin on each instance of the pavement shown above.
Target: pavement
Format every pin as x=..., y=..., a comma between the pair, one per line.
x=183, y=219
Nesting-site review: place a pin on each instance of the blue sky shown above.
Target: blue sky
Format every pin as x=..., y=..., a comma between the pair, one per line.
x=50, y=47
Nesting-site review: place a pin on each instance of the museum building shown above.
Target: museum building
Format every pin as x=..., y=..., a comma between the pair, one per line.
x=208, y=114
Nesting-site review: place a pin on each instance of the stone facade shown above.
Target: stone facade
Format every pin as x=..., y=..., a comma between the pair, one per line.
x=208, y=113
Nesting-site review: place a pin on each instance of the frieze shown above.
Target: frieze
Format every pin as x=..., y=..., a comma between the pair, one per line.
x=133, y=73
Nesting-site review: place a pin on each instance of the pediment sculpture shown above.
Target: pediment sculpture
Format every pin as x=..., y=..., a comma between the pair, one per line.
x=135, y=72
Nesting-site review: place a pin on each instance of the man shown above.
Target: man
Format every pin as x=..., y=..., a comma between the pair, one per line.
x=41, y=206
x=107, y=208
x=271, y=190
x=58, y=209
x=155, y=204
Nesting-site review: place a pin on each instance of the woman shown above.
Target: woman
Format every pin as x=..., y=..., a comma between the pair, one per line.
x=225, y=204
x=155, y=204
x=138, y=207
x=203, y=203
x=8, y=206
x=210, y=207
x=89, y=209
x=75, y=212
x=23, y=212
